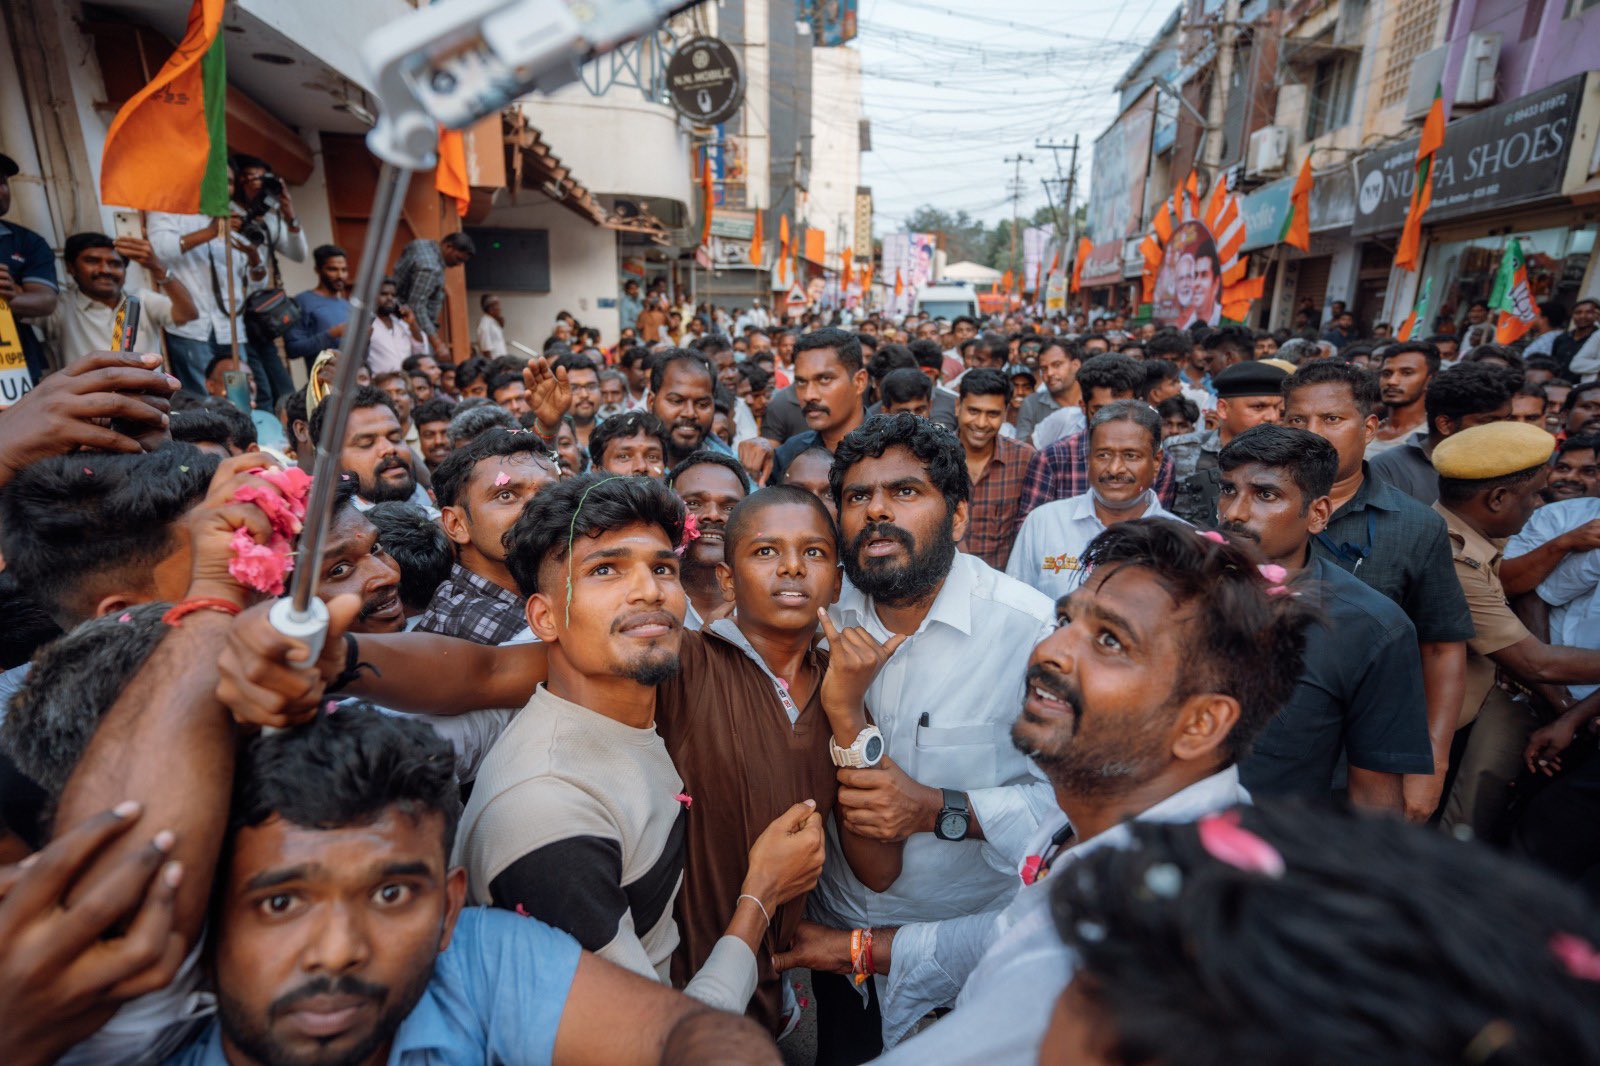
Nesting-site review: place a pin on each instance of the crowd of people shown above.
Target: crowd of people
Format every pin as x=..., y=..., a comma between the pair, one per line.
x=1026, y=689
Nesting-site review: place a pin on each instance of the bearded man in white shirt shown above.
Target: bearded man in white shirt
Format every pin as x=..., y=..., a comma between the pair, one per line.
x=951, y=787
x=1164, y=666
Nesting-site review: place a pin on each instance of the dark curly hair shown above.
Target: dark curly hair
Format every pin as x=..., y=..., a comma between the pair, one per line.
x=366, y=396
x=347, y=768
x=450, y=480
x=936, y=447
x=627, y=424
x=419, y=548
x=1469, y=389
x=1243, y=641
x=586, y=506
x=1380, y=942
x=1119, y=373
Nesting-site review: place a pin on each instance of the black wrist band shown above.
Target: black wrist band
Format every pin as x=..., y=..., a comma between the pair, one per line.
x=352, y=666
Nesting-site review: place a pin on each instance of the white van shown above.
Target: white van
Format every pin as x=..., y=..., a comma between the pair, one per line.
x=948, y=299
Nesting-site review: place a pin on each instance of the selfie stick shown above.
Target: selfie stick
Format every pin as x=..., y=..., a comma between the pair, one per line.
x=443, y=65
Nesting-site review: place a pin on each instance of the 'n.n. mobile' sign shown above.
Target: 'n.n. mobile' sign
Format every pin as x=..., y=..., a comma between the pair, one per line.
x=1506, y=155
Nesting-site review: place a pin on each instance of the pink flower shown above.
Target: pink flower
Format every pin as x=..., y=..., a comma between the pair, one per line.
x=502, y=478
x=1030, y=868
x=520, y=909
x=1228, y=841
x=125, y=617
x=691, y=533
x=685, y=799
x=259, y=566
x=1576, y=955
x=89, y=472
x=1213, y=535
x=1274, y=573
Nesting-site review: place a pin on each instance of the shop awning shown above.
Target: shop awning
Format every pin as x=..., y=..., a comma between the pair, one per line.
x=531, y=165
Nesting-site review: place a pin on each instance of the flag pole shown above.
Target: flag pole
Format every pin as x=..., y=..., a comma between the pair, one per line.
x=302, y=615
x=234, y=316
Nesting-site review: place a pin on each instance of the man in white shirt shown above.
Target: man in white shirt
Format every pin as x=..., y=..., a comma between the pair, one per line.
x=1124, y=455
x=1166, y=664
x=95, y=302
x=491, y=327
x=201, y=252
x=951, y=787
x=395, y=336
x=1559, y=553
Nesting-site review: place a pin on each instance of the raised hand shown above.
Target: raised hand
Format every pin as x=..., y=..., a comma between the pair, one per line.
x=105, y=402
x=261, y=679
x=854, y=659
x=65, y=968
x=549, y=395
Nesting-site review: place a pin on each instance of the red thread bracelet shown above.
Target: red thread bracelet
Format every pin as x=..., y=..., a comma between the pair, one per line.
x=182, y=609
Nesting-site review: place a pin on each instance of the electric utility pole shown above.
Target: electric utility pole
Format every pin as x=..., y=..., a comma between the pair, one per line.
x=1016, y=201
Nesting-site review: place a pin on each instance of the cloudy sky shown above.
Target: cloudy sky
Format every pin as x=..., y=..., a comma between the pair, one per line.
x=953, y=87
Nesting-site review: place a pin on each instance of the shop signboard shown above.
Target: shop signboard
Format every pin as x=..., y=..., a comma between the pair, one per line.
x=1103, y=264
x=1503, y=156
x=704, y=81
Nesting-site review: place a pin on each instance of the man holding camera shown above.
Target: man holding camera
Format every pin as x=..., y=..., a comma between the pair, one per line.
x=215, y=264
x=270, y=224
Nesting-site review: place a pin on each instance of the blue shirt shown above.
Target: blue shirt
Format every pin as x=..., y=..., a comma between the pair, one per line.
x=496, y=995
x=29, y=259
x=318, y=314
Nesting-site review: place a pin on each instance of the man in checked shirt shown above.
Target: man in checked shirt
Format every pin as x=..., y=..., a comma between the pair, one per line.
x=481, y=489
x=420, y=277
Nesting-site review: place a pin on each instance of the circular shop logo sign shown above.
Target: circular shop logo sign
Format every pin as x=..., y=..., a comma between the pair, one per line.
x=704, y=81
x=1371, y=192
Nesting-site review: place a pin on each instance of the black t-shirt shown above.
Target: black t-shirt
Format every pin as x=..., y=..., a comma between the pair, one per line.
x=1359, y=694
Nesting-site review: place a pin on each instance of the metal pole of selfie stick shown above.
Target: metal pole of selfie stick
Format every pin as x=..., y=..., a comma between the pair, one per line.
x=302, y=615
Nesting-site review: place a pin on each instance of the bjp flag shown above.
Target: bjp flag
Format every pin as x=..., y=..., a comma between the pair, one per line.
x=849, y=274
x=1297, y=227
x=1085, y=246
x=1512, y=296
x=167, y=148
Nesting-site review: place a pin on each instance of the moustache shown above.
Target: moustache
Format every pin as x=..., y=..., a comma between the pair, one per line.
x=815, y=408
x=392, y=463
x=1238, y=530
x=639, y=618
x=883, y=531
x=346, y=985
x=377, y=602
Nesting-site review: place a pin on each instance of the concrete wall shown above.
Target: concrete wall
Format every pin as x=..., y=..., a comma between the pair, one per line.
x=583, y=270
x=835, y=148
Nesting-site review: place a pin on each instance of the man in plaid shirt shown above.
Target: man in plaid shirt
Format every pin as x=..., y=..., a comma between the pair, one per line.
x=995, y=464
x=481, y=489
x=1061, y=471
x=419, y=279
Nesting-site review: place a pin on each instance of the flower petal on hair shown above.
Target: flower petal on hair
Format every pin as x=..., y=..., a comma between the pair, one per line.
x=1576, y=955
x=1213, y=535
x=1227, y=841
x=1275, y=574
x=502, y=478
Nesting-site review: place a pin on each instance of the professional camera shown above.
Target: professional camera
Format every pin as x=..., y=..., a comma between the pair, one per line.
x=263, y=203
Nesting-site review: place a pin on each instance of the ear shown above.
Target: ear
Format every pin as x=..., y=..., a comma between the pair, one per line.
x=541, y=612
x=725, y=581
x=838, y=585
x=1204, y=724
x=454, y=521
x=860, y=377
x=1372, y=423
x=958, y=521
x=1443, y=426
x=455, y=894
x=1318, y=513
x=113, y=604
x=1497, y=499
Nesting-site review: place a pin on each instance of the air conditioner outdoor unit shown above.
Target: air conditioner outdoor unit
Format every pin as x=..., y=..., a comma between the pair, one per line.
x=1268, y=153
x=1426, y=71
x=1479, y=65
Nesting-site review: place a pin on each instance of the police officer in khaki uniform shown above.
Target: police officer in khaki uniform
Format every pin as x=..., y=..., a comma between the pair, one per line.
x=1489, y=480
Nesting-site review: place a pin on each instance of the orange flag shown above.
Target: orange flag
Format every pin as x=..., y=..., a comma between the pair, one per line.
x=167, y=148
x=1085, y=246
x=758, y=242
x=1297, y=227
x=708, y=195
x=1410, y=247
x=450, y=176
x=899, y=284
x=866, y=281
x=849, y=256
x=1006, y=282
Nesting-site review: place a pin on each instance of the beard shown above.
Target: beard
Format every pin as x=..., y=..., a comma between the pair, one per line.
x=382, y=490
x=257, y=1040
x=1089, y=757
x=898, y=584
x=652, y=667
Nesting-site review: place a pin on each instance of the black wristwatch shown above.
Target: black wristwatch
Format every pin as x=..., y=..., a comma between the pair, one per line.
x=954, y=817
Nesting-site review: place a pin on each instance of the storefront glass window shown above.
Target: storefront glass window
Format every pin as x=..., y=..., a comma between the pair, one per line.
x=1463, y=271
